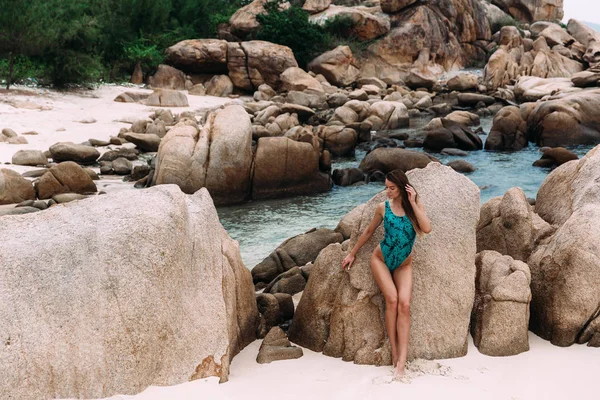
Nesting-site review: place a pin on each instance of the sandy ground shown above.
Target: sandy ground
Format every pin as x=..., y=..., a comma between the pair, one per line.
x=544, y=372
x=57, y=117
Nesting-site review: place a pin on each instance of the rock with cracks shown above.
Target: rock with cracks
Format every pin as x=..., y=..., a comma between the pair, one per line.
x=342, y=314
x=168, y=301
x=500, y=318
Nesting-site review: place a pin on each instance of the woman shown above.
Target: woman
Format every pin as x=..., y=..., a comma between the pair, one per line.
x=403, y=216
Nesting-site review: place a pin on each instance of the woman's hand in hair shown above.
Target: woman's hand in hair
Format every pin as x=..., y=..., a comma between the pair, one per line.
x=348, y=261
x=412, y=194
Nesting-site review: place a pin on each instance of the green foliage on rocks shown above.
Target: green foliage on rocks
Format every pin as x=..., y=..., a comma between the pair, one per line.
x=292, y=28
x=64, y=42
x=79, y=41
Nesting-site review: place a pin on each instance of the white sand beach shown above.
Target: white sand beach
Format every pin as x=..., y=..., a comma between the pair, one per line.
x=56, y=116
x=544, y=372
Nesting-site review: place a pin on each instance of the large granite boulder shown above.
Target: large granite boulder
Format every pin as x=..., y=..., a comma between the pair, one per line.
x=243, y=21
x=554, y=35
x=566, y=269
x=256, y=62
x=365, y=24
x=509, y=226
x=565, y=280
x=14, y=188
x=452, y=135
x=315, y=6
x=389, y=159
x=66, y=177
x=392, y=6
x=566, y=120
x=132, y=289
x=339, y=140
x=148, y=142
x=167, y=77
x=588, y=37
x=532, y=10
x=387, y=115
x=554, y=156
x=342, y=313
x=218, y=156
x=504, y=64
x=199, y=56
x=463, y=82
x=531, y=88
x=568, y=188
x=514, y=59
x=79, y=153
x=31, y=158
x=500, y=319
x=508, y=130
x=296, y=79
x=586, y=78
x=295, y=251
x=338, y=66
x=167, y=98
x=435, y=35
x=284, y=167
x=219, y=86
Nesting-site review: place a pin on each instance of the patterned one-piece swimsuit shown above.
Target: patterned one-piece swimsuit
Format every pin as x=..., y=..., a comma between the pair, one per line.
x=399, y=237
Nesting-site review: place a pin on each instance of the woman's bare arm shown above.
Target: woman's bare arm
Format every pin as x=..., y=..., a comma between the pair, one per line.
x=365, y=236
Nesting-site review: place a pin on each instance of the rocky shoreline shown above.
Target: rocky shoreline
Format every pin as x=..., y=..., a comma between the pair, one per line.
x=111, y=291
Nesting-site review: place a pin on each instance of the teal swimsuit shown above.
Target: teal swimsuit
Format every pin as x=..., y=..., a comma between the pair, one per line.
x=399, y=237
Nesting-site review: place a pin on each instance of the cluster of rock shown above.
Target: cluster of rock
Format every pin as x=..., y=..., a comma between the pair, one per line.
x=507, y=267
x=284, y=273
x=441, y=35
x=180, y=312
x=65, y=172
x=555, y=77
x=349, y=320
x=61, y=182
x=9, y=136
x=245, y=65
x=554, y=238
x=284, y=140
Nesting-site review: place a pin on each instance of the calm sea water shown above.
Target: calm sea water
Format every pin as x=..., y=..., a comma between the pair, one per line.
x=260, y=226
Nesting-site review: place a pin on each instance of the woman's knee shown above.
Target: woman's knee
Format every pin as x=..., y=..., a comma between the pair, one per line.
x=403, y=306
x=391, y=300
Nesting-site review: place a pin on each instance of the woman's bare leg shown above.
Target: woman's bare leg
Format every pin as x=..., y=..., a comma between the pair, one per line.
x=403, y=279
x=384, y=280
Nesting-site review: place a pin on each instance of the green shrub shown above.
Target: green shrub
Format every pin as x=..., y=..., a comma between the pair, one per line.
x=144, y=51
x=505, y=21
x=26, y=70
x=292, y=28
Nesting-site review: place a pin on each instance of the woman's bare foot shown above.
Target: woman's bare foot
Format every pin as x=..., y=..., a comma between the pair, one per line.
x=400, y=375
x=394, y=361
x=399, y=372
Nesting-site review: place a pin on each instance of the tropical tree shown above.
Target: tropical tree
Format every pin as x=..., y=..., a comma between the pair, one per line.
x=23, y=31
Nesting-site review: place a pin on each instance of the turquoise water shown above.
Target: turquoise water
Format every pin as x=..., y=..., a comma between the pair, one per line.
x=261, y=226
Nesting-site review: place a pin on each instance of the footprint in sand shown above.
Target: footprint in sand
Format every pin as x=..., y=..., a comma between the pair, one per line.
x=387, y=379
x=416, y=368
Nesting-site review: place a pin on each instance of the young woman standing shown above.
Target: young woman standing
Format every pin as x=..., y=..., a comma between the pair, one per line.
x=403, y=216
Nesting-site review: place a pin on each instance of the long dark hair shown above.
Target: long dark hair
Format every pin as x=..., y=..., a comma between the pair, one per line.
x=399, y=178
